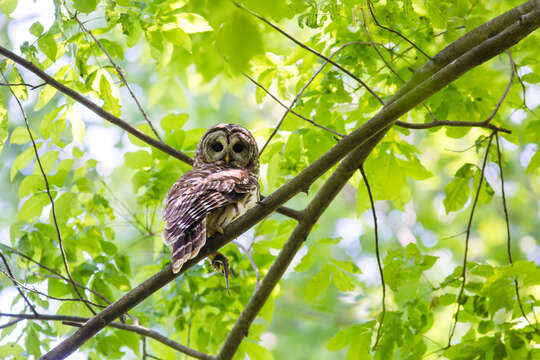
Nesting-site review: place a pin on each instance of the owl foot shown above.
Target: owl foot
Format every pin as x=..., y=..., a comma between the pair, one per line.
x=221, y=264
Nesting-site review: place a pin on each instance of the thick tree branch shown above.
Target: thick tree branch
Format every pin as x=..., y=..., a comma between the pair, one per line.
x=94, y=107
x=133, y=328
x=479, y=50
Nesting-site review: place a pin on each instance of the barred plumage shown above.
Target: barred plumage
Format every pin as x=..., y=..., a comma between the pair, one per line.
x=222, y=186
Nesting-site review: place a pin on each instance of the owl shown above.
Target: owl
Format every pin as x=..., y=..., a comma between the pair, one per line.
x=222, y=185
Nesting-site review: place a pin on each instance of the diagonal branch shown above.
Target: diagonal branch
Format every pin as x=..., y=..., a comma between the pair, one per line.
x=133, y=328
x=94, y=107
x=51, y=200
x=304, y=46
x=478, y=49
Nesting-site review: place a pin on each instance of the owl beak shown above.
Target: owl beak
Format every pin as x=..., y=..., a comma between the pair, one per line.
x=227, y=159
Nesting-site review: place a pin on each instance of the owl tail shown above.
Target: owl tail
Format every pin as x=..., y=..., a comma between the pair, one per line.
x=185, y=245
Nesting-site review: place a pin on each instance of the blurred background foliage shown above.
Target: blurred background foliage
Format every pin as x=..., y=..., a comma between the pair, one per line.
x=184, y=60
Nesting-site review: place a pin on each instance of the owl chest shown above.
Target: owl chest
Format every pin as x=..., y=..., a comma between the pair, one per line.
x=220, y=218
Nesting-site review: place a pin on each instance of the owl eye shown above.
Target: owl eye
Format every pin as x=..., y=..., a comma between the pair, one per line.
x=217, y=147
x=238, y=147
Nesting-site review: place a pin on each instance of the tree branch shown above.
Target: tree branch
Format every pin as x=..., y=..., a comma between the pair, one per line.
x=133, y=328
x=479, y=50
x=94, y=107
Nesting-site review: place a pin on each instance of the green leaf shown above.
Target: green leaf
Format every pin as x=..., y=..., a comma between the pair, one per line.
x=256, y=351
x=32, y=341
x=46, y=94
x=173, y=122
x=47, y=44
x=77, y=125
x=30, y=185
x=457, y=193
x=239, y=40
x=534, y=163
x=15, y=78
x=36, y=29
x=531, y=78
x=22, y=160
x=139, y=159
x=20, y=135
x=145, y=128
x=85, y=6
x=177, y=36
x=33, y=207
x=111, y=103
x=8, y=6
x=192, y=23
x=318, y=284
x=63, y=207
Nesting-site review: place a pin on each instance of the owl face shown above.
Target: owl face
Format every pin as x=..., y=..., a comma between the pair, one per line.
x=228, y=145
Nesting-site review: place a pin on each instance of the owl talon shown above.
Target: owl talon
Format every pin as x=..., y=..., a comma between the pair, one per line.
x=221, y=264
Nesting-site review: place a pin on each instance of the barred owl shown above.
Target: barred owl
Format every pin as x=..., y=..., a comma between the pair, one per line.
x=222, y=186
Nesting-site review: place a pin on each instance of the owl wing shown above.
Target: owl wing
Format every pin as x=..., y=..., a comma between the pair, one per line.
x=197, y=193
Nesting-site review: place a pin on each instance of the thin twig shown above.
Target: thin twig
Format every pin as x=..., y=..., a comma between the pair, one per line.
x=289, y=108
x=304, y=46
x=394, y=31
x=429, y=125
x=10, y=323
x=378, y=256
x=252, y=261
x=467, y=237
x=35, y=291
x=48, y=190
x=133, y=328
x=30, y=86
x=508, y=238
x=299, y=94
x=506, y=90
x=120, y=75
x=10, y=275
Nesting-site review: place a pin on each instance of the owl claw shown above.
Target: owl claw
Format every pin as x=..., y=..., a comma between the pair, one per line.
x=221, y=264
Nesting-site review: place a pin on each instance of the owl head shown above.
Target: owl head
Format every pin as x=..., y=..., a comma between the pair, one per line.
x=229, y=145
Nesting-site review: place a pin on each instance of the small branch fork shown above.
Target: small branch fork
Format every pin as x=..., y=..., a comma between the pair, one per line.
x=51, y=200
